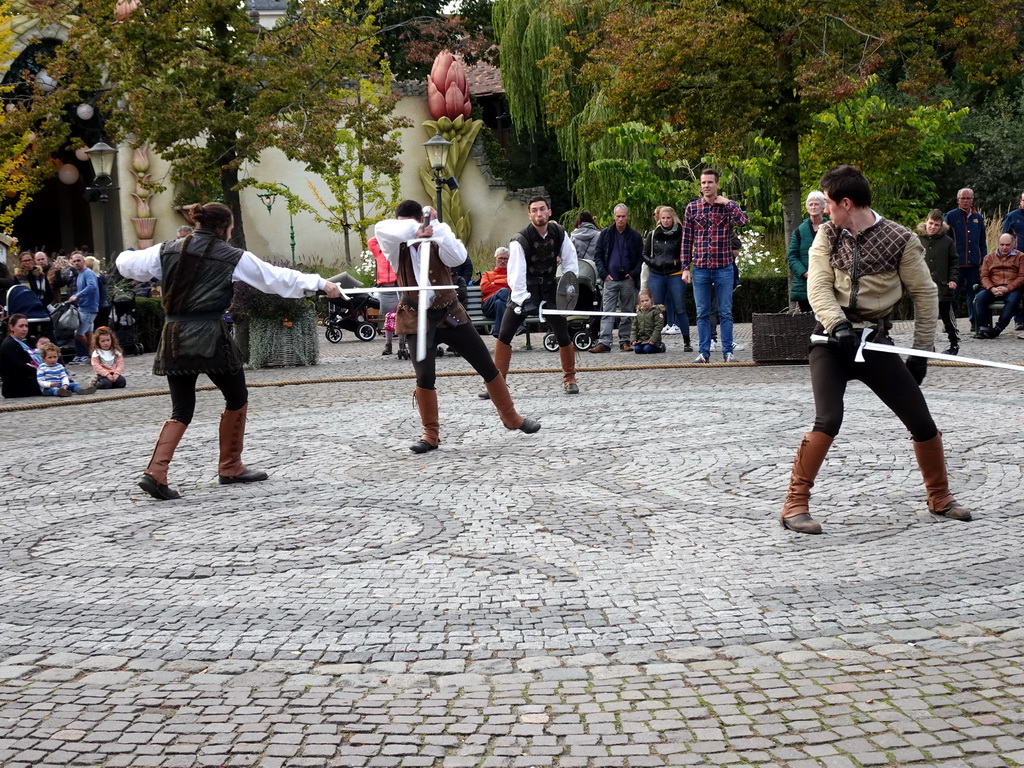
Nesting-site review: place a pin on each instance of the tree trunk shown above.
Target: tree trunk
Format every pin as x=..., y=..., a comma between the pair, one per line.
x=233, y=200
x=792, y=210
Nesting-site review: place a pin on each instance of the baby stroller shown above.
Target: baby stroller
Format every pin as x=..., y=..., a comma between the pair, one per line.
x=352, y=313
x=582, y=329
x=125, y=324
x=22, y=301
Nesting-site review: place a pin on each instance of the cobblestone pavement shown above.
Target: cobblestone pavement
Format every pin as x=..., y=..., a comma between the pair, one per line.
x=613, y=590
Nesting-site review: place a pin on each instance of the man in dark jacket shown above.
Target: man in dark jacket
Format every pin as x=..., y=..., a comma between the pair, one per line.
x=619, y=258
x=967, y=228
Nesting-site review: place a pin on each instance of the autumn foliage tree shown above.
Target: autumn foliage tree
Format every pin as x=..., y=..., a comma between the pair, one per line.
x=715, y=73
x=209, y=89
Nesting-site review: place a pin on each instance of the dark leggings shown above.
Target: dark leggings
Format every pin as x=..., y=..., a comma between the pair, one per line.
x=183, y=392
x=885, y=374
x=465, y=340
x=510, y=323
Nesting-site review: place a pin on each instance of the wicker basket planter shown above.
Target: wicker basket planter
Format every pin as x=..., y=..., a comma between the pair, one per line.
x=273, y=344
x=782, y=338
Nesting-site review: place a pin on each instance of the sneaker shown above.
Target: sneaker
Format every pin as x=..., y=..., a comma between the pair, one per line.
x=671, y=330
x=953, y=349
x=714, y=344
x=736, y=347
x=90, y=390
x=1019, y=327
x=63, y=393
x=687, y=346
x=700, y=359
x=599, y=348
x=730, y=357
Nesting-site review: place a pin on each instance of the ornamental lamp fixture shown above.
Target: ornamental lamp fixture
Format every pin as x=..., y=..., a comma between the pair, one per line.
x=437, y=151
x=101, y=156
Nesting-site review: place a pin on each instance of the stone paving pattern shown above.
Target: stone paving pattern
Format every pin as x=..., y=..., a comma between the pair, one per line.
x=614, y=590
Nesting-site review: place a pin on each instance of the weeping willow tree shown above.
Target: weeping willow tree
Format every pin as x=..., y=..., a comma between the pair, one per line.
x=552, y=86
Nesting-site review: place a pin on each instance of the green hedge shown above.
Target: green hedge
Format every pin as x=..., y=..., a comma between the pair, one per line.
x=150, y=316
x=755, y=295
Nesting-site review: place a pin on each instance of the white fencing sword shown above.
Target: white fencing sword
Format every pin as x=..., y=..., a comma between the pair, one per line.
x=872, y=346
x=578, y=313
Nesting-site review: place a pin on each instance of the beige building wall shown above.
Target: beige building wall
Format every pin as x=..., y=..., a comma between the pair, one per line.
x=496, y=215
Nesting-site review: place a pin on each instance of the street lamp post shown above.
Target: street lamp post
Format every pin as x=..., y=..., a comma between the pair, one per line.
x=268, y=199
x=101, y=158
x=437, y=156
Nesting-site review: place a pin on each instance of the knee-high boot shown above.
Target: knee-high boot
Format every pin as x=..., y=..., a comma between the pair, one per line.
x=230, y=469
x=809, y=457
x=154, y=478
x=426, y=402
x=502, y=359
x=931, y=458
x=497, y=389
x=567, y=356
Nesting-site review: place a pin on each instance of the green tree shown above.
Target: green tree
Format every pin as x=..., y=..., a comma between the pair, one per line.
x=210, y=90
x=362, y=174
x=716, y=73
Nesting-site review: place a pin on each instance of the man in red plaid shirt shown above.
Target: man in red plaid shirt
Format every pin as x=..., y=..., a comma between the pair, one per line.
x=707, y=246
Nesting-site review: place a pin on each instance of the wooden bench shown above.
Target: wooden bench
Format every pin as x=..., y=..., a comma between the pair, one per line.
x=474, y=308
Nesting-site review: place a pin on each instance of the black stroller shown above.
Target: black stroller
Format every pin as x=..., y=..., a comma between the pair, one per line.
x=352, y=314
x=583, y=329
x=125, y=323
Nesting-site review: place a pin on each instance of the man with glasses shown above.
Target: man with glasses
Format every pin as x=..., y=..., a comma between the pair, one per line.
x=967, y=228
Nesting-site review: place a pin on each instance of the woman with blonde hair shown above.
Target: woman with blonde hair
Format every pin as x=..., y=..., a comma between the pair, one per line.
x=662, y=249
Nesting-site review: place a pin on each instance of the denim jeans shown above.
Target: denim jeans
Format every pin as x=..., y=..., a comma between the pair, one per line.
x=85, y=322
x=703, y=281
x=617, y=296
x=494, y=308
x=984, y=299
x=670, y=290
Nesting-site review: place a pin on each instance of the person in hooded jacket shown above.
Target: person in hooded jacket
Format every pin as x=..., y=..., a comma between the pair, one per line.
x=662, y=247
x=584, y=235
x=940, y=253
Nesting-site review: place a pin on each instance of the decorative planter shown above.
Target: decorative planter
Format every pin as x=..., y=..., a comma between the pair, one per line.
x=144, y=228
x=275, y=345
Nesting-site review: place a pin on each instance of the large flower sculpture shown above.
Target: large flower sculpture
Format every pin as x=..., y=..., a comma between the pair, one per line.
x=448, y=102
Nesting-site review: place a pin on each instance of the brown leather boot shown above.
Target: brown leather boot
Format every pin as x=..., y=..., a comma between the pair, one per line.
x=497, y=389
x=154, y=478
x=230, y=469
x=502, y=358
x=931, y=458
x=426, y=401
x=567, y=356
x=809, y=457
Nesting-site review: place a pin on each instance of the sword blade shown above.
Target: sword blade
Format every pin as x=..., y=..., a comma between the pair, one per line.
x=577, y=313
x=346, y=291
x=421, y=314
x=875, y=347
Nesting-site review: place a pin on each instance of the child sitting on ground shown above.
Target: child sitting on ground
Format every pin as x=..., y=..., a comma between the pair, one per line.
x=650, y=319
x=53, y=379
x=107, y=359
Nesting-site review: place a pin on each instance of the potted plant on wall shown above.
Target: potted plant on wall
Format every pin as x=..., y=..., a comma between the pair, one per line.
x=273, y=331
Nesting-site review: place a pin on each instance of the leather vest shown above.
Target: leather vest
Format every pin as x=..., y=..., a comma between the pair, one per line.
x=197, y=288
x=541, y=253
x=444, y=302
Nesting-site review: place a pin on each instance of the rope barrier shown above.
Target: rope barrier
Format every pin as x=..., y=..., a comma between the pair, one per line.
x=62, y=402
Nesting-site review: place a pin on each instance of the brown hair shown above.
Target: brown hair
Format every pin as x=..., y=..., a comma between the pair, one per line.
x=104, y=331
x=213, y=217
x=935, y=214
